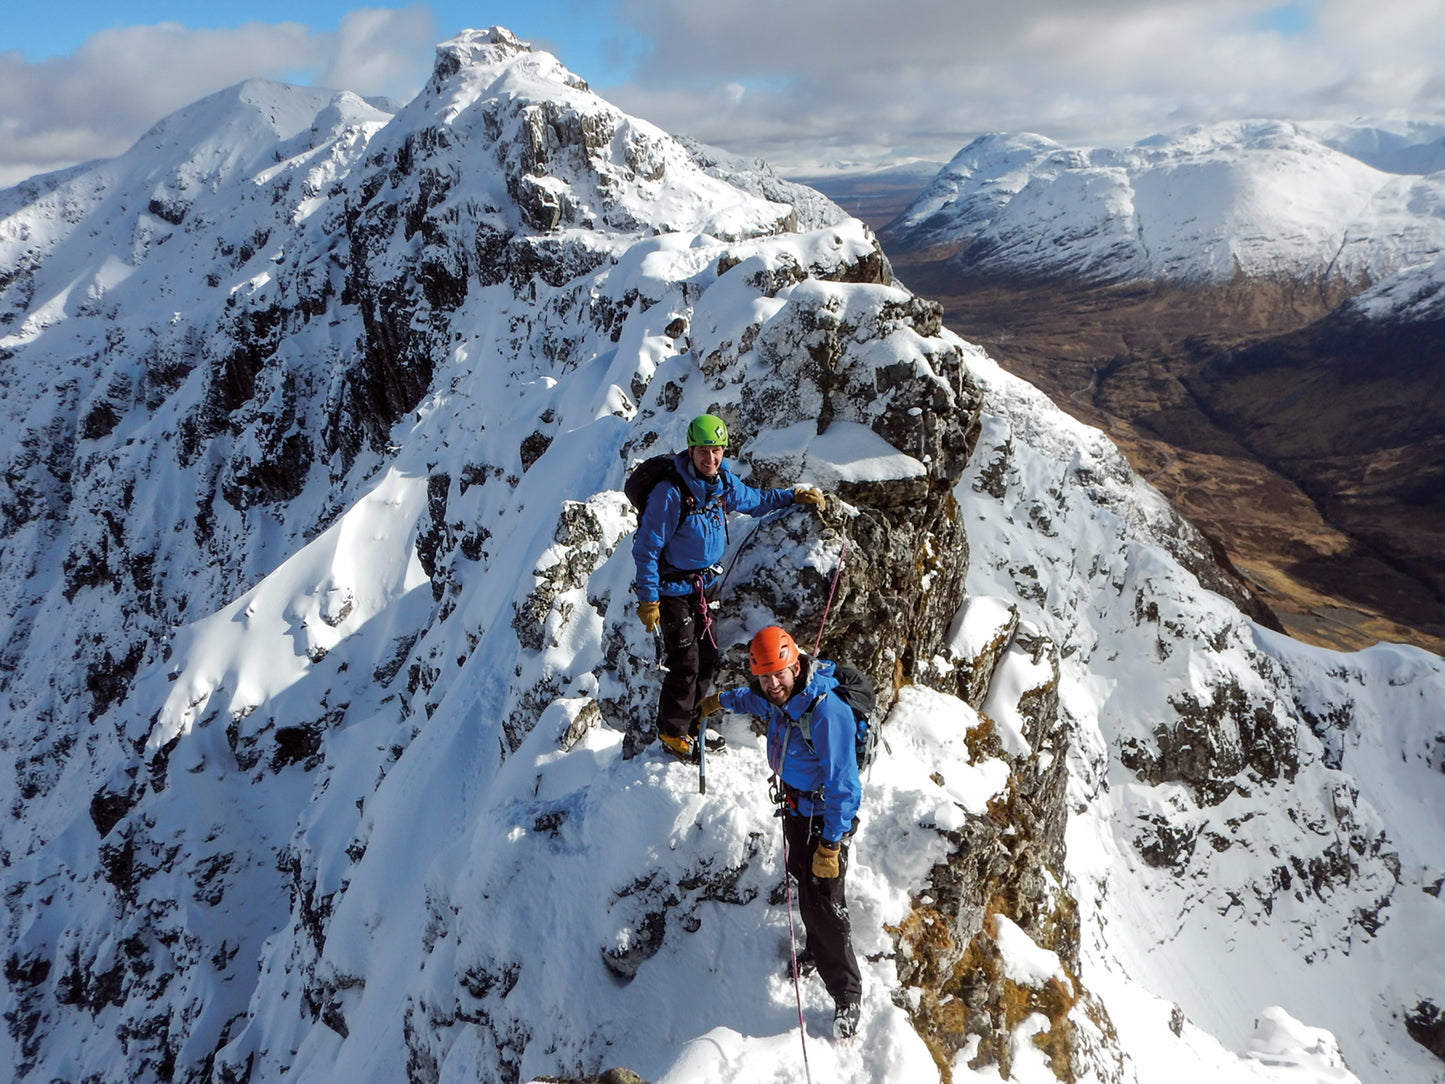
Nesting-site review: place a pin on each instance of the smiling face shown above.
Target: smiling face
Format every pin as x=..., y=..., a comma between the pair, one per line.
x=706, y=459
x=778, y=686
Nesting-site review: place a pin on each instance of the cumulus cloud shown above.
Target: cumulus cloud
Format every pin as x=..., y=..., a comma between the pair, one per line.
x=97, y=101
x=808, y=82
x=381, y=51
x=835, y=78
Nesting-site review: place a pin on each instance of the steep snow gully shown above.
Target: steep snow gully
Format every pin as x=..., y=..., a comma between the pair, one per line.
x=325, y=706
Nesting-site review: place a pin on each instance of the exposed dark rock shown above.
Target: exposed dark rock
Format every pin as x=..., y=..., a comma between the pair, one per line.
x=1426, y=1025
x=533, y=447
x=433, y=536
x=26, y=972
x=298, y=745
x=611, y=1076
x=99, y=421
x=480, y=980
x=170, y=208
x=1211, y=744
x=1165, y=843
x=109, y=805
x=109, y=679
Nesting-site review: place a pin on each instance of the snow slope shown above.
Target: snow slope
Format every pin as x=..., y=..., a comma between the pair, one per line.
x=1415, y=294
x=1309, y=880
x=319, y=664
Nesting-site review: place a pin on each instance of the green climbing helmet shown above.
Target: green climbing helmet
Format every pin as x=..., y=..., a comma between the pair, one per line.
x=707, y=431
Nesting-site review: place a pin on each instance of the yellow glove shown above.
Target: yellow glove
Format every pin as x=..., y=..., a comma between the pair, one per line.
x=813, y=498
x=708, y=705
x=825, y=861
x=649, y=615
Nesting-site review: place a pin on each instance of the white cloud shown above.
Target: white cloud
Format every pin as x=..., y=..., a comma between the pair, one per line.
x=921, y=78
x=808, y=81
x=96, y=102
x=382, y=51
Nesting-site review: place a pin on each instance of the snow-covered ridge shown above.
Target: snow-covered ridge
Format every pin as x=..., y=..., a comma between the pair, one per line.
x=1262, y=199
x=93, y=227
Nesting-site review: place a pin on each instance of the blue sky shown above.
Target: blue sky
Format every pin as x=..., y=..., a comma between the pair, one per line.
x=587, y=36
x=810, y=85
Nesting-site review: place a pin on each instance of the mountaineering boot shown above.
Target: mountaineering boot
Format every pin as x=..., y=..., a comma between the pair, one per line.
x=845, y=1020
x=807, y=964
x=715, y=742
x=679, y=746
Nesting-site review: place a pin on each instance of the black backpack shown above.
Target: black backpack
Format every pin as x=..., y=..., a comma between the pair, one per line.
x=648, y=475
x=856, y=690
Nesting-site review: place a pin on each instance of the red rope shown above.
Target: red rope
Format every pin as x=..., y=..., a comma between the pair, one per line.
x=706, y=611
x=829, y=604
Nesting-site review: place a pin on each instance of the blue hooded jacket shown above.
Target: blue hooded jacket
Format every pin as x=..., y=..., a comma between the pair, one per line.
x=831, y=766
x=663, y=548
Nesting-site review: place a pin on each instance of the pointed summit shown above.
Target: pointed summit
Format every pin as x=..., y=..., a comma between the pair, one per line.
x=536, y=137
x=491, y=48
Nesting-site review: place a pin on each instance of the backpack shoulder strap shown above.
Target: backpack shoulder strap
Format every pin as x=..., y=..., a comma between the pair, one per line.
x=805, y=721
x=688, y=503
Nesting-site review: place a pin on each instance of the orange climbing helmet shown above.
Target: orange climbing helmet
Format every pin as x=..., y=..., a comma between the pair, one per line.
x=772, y=650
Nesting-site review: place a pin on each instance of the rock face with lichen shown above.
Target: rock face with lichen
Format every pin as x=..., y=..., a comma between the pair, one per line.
x=1006, y=872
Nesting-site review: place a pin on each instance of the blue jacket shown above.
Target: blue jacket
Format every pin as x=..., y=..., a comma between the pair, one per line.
x=831, y=766
x=662, y=547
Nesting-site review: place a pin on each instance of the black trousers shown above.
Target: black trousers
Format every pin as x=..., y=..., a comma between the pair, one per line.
x=824, y=906
x=690, y=655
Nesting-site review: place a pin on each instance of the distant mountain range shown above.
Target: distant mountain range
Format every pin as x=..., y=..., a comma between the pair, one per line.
x=1256, y=308
x=1260, y=199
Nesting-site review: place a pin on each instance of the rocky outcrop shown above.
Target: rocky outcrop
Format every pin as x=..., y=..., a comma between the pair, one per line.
x=1006, y=873
x=1426, y=1025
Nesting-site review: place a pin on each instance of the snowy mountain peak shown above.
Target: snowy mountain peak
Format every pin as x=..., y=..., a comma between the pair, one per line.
x=478, y=54
x=569, y=159
x=978, y=181
x=243, y=131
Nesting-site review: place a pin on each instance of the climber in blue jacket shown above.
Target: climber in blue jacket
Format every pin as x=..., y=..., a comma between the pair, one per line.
x=678, y=549
x=817, y=784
